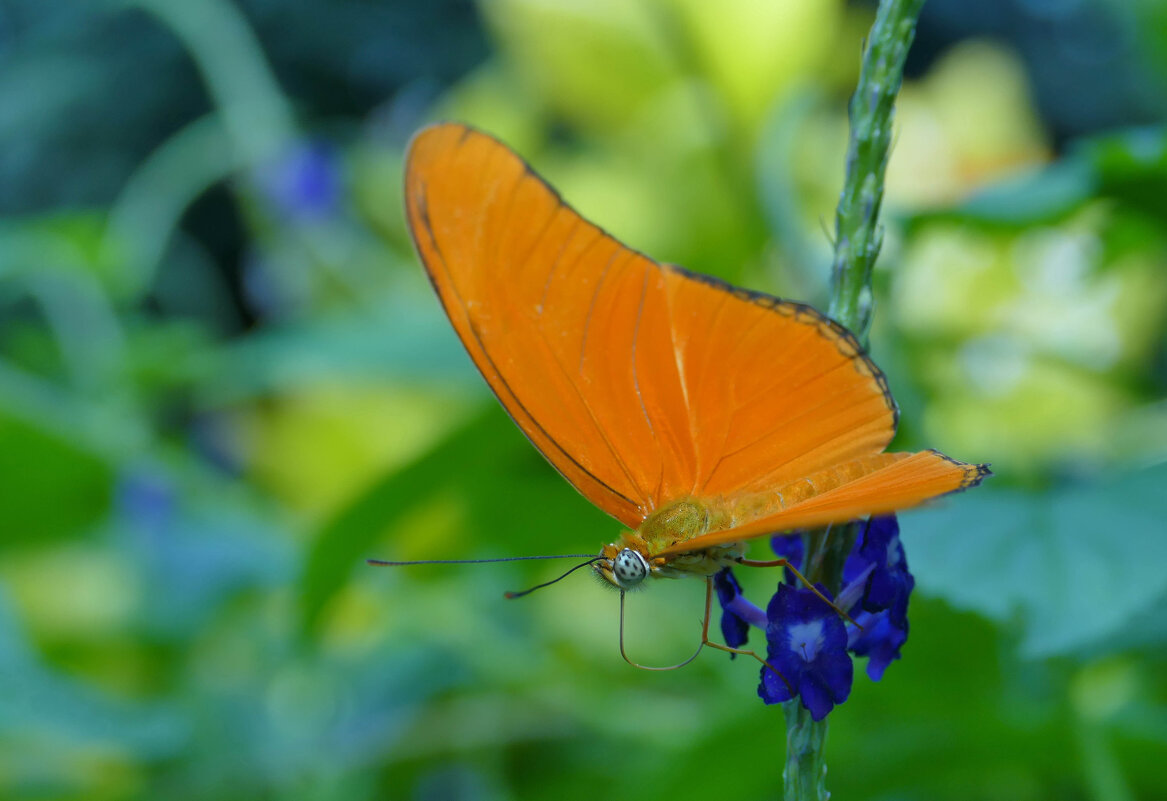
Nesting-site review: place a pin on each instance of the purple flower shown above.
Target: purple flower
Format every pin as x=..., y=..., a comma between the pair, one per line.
x=809, y=642
x=885, y=601
x=734, y=629
x=890, y=583
x=806, y=642
x=879, y=641
x=791, y=548
x=737, y=613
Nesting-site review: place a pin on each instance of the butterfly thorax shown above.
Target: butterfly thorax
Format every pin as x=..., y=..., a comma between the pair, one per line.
x=637, y=555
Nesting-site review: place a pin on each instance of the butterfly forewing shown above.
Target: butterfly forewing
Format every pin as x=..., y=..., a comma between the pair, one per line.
x=545, y=304
x=640, y=383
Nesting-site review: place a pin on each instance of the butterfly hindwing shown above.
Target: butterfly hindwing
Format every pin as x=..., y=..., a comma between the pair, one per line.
x=883, y=484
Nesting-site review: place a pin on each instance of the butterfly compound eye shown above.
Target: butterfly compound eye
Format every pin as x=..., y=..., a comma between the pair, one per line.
x=629, y=567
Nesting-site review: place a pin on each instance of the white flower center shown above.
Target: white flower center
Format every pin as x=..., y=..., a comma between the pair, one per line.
x=806, y=638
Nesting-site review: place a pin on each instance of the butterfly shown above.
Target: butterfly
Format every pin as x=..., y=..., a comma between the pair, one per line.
x=697, y=414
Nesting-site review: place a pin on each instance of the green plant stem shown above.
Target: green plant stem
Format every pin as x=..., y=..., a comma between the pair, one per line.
x=805, y=776
x=858, y=234
x=857, y=243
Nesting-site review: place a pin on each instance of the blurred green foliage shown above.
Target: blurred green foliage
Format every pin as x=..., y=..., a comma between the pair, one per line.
x=224, y=382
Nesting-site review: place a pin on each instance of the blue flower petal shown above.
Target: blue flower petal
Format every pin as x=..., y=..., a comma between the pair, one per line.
x=791, y=548
x=734, y=629
x=881, y=547
x=817, y=695
x=837, y=672
x=772, y=689
x=854, y=591
x=880, y=641
x=885, y=601
x=807, y=641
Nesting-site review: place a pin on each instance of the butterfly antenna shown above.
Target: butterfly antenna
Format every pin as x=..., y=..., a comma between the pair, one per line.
x=512, y=595
x=383, y=563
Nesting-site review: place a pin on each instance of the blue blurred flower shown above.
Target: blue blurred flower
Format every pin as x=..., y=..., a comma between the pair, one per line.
x=304, y=182
x=807, y=643
x=146, y=499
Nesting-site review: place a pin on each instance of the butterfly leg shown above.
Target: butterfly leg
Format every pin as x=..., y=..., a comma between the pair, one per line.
x=805, y=581
x=706, y=641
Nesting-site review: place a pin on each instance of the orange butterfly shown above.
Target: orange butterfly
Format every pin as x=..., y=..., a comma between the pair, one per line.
x=698, y=414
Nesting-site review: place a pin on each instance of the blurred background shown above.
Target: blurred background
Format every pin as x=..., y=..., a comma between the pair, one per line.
x=225, y=382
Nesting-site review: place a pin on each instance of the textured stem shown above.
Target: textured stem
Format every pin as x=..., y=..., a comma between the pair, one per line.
x=858, y=234
x=805, y=776
x=857, y=244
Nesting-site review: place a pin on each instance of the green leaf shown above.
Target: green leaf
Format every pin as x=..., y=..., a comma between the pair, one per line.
x=1129, y=166
x=1132, y=167
x=52, y=488
x=1033, y=197
x=1074, y=564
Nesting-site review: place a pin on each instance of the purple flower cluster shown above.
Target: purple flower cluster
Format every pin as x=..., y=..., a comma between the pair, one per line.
x=807, y=641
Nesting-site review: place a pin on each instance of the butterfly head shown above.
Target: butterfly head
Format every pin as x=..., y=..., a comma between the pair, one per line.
x=622, y=567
